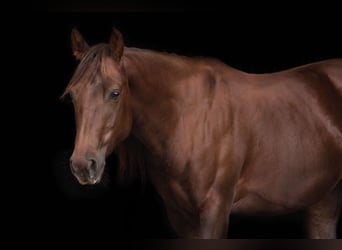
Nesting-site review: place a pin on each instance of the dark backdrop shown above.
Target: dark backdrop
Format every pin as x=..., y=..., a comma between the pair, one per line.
x=243, y=37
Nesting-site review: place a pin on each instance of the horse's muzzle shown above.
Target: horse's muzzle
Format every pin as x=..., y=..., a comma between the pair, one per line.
x=86, y=171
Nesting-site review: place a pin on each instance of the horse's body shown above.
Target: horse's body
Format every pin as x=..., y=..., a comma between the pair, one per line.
x=214, y=140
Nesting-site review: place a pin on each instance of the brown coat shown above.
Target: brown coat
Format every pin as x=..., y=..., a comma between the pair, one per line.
x=212, y=139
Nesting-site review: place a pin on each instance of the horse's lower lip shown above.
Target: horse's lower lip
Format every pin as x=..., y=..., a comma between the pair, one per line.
x=89, y=181
x=93, y=181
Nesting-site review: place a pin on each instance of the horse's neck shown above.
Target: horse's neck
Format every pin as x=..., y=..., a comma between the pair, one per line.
x=153, y=79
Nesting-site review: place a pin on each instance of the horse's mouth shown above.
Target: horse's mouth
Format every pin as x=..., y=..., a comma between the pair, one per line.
x=89, y=179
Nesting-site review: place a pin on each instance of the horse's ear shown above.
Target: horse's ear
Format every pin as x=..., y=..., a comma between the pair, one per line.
x=116, y=44
x=78, y=44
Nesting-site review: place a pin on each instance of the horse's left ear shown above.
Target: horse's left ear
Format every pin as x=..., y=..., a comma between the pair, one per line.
x=78, y=44
x=116, y=44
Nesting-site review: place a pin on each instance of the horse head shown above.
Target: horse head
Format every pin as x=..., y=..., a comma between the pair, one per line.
x=100, y=95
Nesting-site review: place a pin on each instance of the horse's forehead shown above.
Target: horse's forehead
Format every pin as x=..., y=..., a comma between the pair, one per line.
x=110, y=69
x=105, y=68
x=98, y=74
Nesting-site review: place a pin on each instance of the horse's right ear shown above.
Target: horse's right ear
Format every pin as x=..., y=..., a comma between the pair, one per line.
x=116, y=44
x=78, y=44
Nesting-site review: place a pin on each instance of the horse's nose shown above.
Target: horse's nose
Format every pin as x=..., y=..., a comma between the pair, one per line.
x=83, y=168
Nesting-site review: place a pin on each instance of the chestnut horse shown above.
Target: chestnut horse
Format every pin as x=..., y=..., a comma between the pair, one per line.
x=213, y=140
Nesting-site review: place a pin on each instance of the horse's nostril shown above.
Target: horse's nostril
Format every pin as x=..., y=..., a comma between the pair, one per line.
x=92, y=165
x=84, y=169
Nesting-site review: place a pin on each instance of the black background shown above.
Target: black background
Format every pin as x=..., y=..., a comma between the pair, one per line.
x=248, y=37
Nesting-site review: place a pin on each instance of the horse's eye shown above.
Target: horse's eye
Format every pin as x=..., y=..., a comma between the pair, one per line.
x=114, y=95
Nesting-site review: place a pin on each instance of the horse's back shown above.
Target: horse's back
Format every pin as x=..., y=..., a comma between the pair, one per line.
x=332, y=69
x=324, y=82
x=319, y=85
